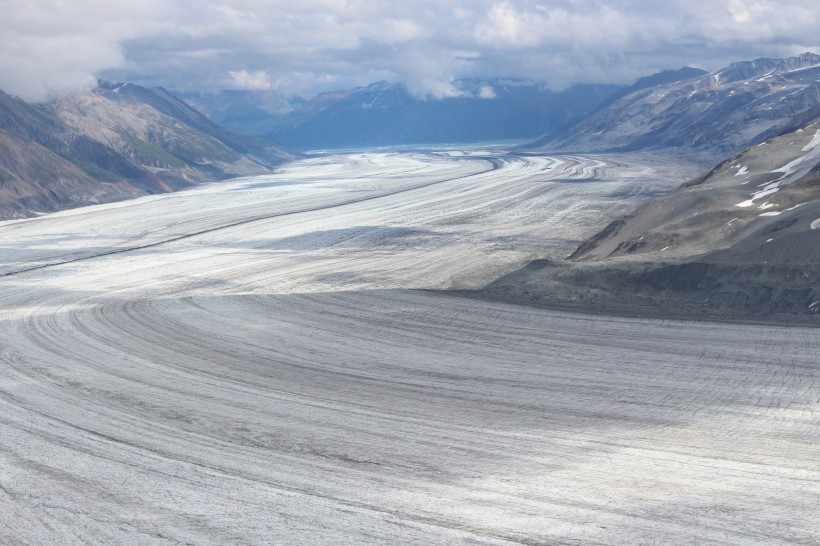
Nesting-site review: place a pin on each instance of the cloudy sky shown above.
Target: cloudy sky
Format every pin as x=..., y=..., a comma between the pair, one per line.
x=305, y=46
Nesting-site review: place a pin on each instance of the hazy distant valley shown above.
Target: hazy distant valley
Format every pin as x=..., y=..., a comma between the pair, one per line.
x=385, y=114
x=209, y=337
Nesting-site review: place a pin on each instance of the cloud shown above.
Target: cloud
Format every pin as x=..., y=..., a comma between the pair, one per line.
x=506, y=26
x=486, y=92
x=52, y=46
x=242, y=79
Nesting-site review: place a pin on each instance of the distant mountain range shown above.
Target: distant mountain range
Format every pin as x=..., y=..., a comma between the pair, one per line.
x=243, y=111
x=705, y=115
x=710, y=115
x=116, y=142
x=123, y=140
x=386, y=113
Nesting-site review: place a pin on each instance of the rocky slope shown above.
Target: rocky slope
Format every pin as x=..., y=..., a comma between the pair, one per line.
x=709, y=115
x=117, y=142
x=740, y=241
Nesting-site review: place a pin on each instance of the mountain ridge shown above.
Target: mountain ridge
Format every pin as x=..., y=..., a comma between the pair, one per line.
x=116, y=142
x=713, y=115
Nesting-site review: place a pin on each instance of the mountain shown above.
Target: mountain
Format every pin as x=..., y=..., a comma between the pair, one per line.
x=243, y=111
x=116, y=142
x=654, y=80
x=711, y=115
x=385, y=113
x=740, y=241
x=733, y=206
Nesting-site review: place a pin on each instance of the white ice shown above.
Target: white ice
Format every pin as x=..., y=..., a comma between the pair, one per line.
x=247, y=363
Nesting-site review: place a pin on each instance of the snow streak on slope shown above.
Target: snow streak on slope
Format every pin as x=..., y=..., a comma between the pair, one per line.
x=243, y=363
x=795, y=170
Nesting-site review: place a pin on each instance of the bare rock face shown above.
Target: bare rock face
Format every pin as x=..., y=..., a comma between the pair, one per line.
x=711, y=115
x=116, y=142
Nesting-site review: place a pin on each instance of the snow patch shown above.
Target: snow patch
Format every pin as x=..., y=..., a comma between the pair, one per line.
x=815, y=142
x=792, y=171
x=758, y=195
x=743, y=170
x=771, y=213
x=486, y=92
x=815, y=224
x=803, y=163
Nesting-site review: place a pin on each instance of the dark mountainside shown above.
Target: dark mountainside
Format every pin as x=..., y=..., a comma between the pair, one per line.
x=384, y=114
x=741, y=242
x=707, y=116
x=117, y=142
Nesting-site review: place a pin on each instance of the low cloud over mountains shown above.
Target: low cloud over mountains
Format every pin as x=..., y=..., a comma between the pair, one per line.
x=318, y=45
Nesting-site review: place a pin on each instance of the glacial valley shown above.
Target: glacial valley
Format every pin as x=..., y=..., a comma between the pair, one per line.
x=276, y=359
